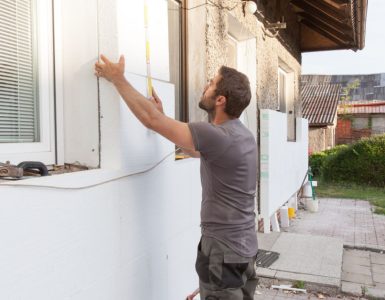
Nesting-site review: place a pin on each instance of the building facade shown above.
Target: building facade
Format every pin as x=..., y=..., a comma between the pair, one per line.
x=127, y=228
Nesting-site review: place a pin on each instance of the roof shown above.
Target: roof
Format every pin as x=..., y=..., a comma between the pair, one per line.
x=362, y=107
x=331, y=24
x=370, y=86
x=319, y=103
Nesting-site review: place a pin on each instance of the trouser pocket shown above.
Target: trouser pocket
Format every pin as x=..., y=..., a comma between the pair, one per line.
x=234, y=270
x=202, y=265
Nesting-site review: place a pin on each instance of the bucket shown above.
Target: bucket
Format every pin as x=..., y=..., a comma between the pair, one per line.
x=307, y=190
x=311, y=205
x=291, y=211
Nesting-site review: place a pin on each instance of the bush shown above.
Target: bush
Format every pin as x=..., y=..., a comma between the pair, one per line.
x=362, y=162
x=317, y=160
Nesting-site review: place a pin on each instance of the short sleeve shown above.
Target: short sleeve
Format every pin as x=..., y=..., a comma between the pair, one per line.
x=210, y=140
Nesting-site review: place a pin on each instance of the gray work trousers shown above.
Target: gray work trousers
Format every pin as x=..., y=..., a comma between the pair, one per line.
x=223, y=274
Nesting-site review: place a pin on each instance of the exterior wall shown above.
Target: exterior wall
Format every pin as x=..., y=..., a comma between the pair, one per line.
x=279, y=158
x=103, y=234
x=321, y=138
x=131, y=238
x=271, y=52
x=196, y=55
x=359, y=126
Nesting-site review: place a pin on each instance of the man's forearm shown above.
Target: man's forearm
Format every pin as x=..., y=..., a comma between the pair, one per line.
x=141, y=107
x=191, y=153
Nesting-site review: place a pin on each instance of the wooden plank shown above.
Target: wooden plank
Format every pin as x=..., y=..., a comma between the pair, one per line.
x=320, y=7
x=321, y=30
x=328, y=25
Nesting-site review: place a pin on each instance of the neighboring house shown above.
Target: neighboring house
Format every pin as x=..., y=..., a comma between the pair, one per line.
x=360, y=119
x=128, y=227
x=370, y=86
x=319, y=106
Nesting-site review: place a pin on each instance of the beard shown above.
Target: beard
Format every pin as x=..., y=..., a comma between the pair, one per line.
x=207, y=104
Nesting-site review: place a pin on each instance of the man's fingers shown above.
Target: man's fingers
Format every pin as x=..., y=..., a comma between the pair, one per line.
x=104, y=59
x=122, y=60
x=155, y=95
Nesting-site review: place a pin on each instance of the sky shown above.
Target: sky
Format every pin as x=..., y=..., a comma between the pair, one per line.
x=370, y=60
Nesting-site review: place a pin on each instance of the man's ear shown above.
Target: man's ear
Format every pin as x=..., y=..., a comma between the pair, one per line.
x=221, y=100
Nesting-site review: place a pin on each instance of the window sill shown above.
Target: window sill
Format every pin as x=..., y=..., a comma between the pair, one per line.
x=81, y=179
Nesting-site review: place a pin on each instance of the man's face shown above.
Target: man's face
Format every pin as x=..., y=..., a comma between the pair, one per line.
x=209, y=96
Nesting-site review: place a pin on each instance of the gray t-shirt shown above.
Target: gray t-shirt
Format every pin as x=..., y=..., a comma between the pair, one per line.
x=228, y=175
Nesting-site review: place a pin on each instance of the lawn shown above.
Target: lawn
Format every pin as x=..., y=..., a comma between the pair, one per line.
x=334, y=190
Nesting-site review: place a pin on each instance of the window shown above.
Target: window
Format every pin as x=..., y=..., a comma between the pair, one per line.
x=232, y=52
x=286, y=99
x=26, y=81
x=177, y=40
x=241, y=53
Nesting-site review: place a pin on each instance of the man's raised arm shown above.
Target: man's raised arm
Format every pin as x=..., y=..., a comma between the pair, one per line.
x=175, y=131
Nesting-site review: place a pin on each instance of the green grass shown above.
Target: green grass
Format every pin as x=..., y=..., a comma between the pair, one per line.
x=352, y=191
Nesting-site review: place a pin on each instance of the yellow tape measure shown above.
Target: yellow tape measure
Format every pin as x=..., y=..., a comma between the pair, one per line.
x=148, y=64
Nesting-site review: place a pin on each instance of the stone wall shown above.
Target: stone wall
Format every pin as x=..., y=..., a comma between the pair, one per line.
x=271, y=51
x=321, y=138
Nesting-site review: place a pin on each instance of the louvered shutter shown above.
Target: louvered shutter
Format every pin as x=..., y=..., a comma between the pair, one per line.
x=18, y=74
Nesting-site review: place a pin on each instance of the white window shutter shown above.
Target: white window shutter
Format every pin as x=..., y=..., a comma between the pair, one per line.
x=18, y=74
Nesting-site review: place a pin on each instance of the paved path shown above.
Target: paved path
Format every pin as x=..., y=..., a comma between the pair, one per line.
x=303, y=257
x=363, y=273
x=269, y=294
x=351, y=220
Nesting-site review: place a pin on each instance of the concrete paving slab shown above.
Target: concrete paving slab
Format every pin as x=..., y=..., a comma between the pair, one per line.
x=313, y=255
x=321, y=280
x=375, y=293
x=380, y=286
x=357, y=278
x=352, y=268
x=379, y=269
x=351, y=220
x=357, y=253
x=379, y=278
x=266, y=241
x=378, y=258
x=264, y=272
x=351, y=288
x=361, y=261
x=315, y=259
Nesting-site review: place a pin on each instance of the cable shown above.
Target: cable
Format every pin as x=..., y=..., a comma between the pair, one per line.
x=96, y=184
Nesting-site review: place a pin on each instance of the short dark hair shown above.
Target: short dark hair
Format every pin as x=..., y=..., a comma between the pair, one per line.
x=235, y=86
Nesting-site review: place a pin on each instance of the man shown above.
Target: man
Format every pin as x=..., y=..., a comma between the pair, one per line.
x=227, y=149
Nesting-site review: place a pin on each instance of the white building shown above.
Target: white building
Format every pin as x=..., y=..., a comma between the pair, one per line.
x=128, y=227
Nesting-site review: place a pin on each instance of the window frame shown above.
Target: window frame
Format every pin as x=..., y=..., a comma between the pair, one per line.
x=182, y=114
x=288, y=75
x=44, y=150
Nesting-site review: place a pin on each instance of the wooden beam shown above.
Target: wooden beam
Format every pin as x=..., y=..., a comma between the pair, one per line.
x=325, y=33
x=321, y=15
x=345, y=33
x=341, y=2
x=320, y=7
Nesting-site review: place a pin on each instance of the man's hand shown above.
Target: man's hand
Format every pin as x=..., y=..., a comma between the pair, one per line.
x=191, y=297
x=113, y=72
x=156, y=101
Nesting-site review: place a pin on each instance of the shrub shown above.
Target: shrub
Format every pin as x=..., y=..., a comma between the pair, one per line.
x=317, y=160
x=362, y=162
